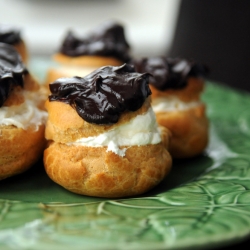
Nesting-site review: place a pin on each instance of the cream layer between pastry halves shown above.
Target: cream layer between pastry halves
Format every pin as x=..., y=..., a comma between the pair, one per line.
x=25, y=115
x=162, y=104
x=141, y=130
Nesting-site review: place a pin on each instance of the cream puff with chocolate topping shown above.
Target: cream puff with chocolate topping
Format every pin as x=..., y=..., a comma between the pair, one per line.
x=12, y=36
x=105, y=45
x=104, y=139
x=22, y=123
x=176, y=86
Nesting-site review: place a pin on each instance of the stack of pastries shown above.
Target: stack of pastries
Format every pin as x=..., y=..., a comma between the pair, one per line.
x=22, y=122
x=103, y=137
x=112, y=125
x=177, y=85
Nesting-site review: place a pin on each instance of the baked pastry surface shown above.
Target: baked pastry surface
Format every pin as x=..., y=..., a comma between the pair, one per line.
x=12, y=36
x=22, y=122
x=19, y=149
x=189, y=130
x=93, y=171
x=177, y=86
x=190, y=126
x=21, y=48
x=97, y=170
x=79, y=56
x=87, y=60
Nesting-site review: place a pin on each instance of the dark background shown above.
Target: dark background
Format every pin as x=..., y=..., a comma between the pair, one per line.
x=217, y=33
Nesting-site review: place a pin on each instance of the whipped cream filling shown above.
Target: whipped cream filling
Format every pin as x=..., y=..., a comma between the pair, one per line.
x=141, y=130
x=162, y=104
x=26, y=115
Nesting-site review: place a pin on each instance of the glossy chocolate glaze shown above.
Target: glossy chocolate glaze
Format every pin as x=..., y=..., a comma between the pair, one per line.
x=106, y=40
x=12, y=71
x=169, y=73
x=103, y=95
x=9, y=35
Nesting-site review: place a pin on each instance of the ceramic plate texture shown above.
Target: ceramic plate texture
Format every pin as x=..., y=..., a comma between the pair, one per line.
x=203, y=203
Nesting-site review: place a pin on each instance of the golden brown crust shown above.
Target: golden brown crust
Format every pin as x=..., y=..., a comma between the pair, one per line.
x=68, y=126
x=189, y=130
x=190, y=93
x=17, y=97
x=93, y=171
x=19, y=149
x=65, y=71
x=87, y=60
x=30, y=83
x=189, y=127
x=76, y=66
x=22, y=50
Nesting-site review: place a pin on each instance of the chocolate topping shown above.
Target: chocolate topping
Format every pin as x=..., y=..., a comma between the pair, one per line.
x=104, y=94
x=11, y=71
x=9, y=35
x=169, y=73
x=106, y=40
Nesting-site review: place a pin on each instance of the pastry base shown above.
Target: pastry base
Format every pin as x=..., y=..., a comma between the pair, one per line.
x=19, y=149
x=189, y=129
x=190, y=93
x=86, y=60
x=22, y=50
x=93, y=171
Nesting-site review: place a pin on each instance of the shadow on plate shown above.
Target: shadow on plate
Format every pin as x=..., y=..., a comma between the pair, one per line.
x=183, y=171
x=35, y=186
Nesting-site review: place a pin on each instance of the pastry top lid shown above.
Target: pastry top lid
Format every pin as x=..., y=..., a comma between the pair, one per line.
x=12, y=70
x=103, y=95
x=169, y=73
x=9, y=34
x=106, y=40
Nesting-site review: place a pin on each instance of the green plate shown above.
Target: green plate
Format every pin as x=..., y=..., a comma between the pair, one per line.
x=204, y=202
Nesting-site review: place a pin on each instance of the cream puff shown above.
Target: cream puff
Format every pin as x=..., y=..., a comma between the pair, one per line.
x=105, y=45
x=177, y=85
x=103, y=137
x=22, y=123
x=12, y=36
